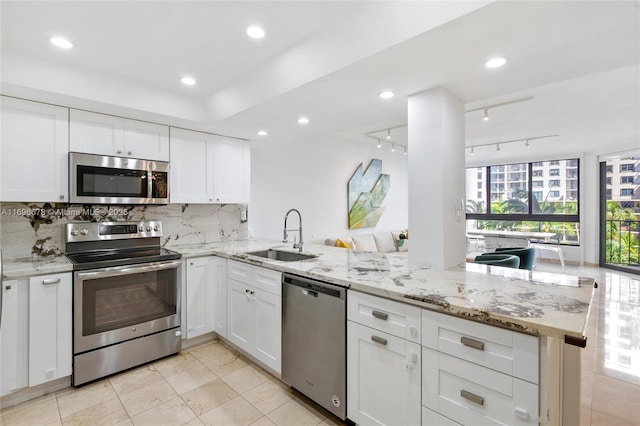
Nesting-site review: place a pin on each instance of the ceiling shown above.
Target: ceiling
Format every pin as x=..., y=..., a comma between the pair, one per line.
x=579, y=60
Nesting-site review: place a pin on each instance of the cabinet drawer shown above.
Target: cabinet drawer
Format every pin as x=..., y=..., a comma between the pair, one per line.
x=470, y=394
x=267, y=280
x=431, y=418
x=239, y=271
x=398, y=319
x=509, y=352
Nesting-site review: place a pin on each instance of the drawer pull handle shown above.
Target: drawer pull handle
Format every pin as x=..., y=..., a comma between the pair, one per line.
x=380, y=340
x=51, y=281
x=472, y=343
x=381, y=315
x=472, y=397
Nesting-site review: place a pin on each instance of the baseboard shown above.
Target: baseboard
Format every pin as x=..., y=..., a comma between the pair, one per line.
x=26, y=394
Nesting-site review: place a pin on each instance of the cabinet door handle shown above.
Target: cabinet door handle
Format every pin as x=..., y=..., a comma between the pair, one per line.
x=119, y=151
x=472, y=343
x=129, y=153
x=51, y=281
x=381, y=315
x=472, y=397
x=380, y=340
x=7, y=287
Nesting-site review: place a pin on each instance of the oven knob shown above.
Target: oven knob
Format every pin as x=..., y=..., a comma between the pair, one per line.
x=84, y=231
x=74, y=232
x=148, y=229
x=140, y=229
x=156, y=228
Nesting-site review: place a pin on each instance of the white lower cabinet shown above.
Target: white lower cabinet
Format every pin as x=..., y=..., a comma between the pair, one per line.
x=431, y=418
x=254, y=312
x=50, y=327
x=477, y=374
x=14, y=332
x=205, y=300
x=383, y=369
x=36, y=333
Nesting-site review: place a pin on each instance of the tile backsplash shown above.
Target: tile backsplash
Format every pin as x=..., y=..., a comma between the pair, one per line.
x=33, y=230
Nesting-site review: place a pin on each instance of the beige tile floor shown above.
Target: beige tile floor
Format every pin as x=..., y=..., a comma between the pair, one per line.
x=211, y=384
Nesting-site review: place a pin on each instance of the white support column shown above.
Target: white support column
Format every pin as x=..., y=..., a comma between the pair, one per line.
x=436, y=179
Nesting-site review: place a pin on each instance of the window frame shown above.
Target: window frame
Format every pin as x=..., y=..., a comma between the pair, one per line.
x=529, y=216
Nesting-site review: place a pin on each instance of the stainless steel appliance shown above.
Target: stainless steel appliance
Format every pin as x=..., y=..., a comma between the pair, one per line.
x=126, y=297
x=314, y=341
x=101, y=179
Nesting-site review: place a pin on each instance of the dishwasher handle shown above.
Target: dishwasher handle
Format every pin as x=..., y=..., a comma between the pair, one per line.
x=314, y=288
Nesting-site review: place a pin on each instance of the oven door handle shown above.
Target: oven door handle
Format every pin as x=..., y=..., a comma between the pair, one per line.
x=127, y=270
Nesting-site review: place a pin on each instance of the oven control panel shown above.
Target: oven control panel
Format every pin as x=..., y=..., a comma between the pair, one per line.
x=101, y=231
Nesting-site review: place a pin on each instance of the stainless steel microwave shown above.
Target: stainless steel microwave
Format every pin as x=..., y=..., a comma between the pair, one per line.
x=102, y=179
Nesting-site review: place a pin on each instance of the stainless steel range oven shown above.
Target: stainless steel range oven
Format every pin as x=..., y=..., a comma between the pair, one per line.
x=126, y=297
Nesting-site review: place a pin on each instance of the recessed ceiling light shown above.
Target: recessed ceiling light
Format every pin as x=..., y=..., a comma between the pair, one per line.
x=188, y=81
x=386, y=94
x=262, y=133
x=496, y=62
x=255, y=31
x=60, y=42
x=303, y=120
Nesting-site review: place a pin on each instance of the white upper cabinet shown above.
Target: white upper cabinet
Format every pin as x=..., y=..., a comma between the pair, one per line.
x=103, y=134
x=34, y=151
x=189, y=182
x=207, y=168
x=231, y=170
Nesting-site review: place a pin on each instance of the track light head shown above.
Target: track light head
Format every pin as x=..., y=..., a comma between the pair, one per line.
x=527, y=144
x=393, y=148
x=379, y=144
x=497, y=147
x=472, y=151
x=486, y=115
x=405, y=151
x=388, y=134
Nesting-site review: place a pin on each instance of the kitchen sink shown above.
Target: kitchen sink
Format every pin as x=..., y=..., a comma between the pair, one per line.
x=284, y=256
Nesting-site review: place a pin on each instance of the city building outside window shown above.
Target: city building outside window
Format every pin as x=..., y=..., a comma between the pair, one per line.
x=527, y=197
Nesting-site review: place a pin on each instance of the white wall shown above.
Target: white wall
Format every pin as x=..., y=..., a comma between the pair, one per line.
x=312, y=176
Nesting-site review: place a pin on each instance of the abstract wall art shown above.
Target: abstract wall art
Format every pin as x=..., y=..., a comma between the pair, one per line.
x=366, y=191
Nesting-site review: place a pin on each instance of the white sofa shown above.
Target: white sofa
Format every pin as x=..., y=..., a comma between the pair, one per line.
x=382, y=242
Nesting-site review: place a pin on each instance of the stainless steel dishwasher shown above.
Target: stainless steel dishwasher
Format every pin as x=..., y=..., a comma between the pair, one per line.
x=314, y=341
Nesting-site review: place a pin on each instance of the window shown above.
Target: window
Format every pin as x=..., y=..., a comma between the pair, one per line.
x=627, y=168
x=609, y=180
x=626, y=192
x=610, y=169
x=626, y=179
x=521, y=197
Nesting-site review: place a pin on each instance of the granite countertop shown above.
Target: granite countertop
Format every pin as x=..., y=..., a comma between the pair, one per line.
x=528, y=301
x=18, y=268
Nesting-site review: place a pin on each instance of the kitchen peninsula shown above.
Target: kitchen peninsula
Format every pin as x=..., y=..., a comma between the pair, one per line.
x=552, y=309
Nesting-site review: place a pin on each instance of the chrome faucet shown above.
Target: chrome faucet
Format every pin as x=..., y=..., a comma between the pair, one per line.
x=285, y=238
